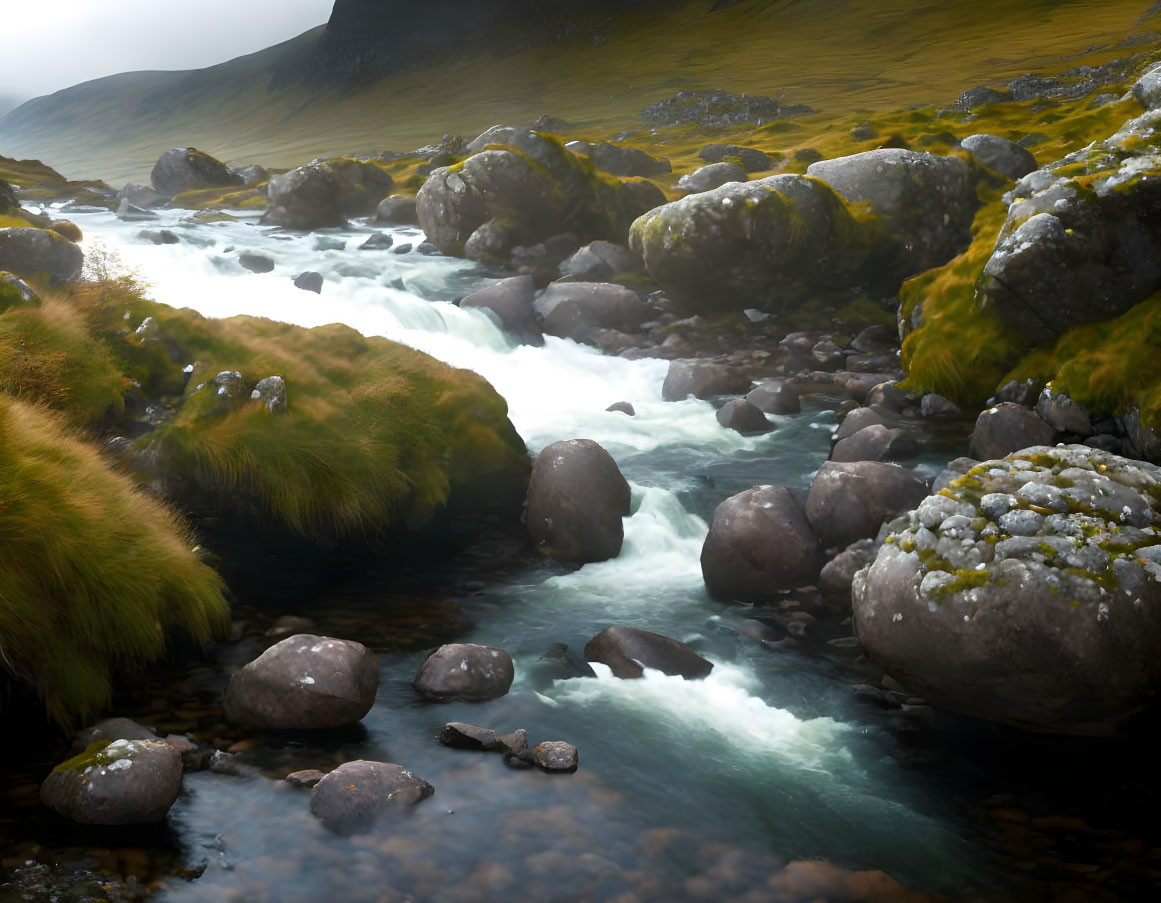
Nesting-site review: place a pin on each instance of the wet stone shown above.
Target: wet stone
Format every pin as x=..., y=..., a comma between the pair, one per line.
x=306, y=779
x=556, y=756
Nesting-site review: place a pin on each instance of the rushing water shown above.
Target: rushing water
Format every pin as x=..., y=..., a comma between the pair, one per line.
x=720, y=781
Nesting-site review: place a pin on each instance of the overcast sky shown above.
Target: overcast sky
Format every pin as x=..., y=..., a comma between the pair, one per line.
x=52, y=44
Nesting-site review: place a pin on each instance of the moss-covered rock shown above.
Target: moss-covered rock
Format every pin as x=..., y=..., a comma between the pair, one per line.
x=768, y=243
x=94, y=575
x=522, y=191
x=1029, y=592
x=327, y=192
x=28, y=251
x=189, y=169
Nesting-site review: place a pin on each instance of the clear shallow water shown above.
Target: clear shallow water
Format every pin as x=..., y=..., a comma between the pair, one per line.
x=720, y=781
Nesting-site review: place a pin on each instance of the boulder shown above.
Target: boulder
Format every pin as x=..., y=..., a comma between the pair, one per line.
x=938, y=407
x=776, y=396
x=126, y=782
x=710, y=177
x=861, y=418
x=599, y=261
x=353, y=796
x=326, y=193
x=270, y=392
x=466, y=672
x=838, y=574
x=256, y=263
x=305, y=779
x=112, y=729
x=28, y=251
x=1063, y=414
x=159, y=236
x=1147, y=90
x=380, y=241
x=983, y=604
x=458, y=735
x=786, y=237
x=304, y=682
x=702, y=379
x=542, y=261
x=397, y=210
x=1007, y=428
x=927, y=202
x=579, y=310
x=1082, y=238
x=749, y=158
x=68, y=231
x=130, y=213
x=556, y=756
x=527, y=186
x=142, y=196
x=759, y=544
x=577, y=499
x=189, y=169
x=1000, y=155
x=251, y=173
x=621, y=161
x=622, y=407
x=509, y=302
x=742, y=417
x=310, y=281
x=627, y=651
x=849, y=501
x=876, y=443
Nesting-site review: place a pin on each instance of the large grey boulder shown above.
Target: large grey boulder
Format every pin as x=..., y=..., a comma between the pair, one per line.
x=465, y=671
x=1147, y=90
x=986, y=605
x=126, y=782
x=1082, y=239
x=304, y=682
x=759, y=544
x=750, y=158
x=710, y=177
x=580, y=310
x=742, y=417
x=850, y=501
x=1007, y=428
x=356, y=794
x=927, y=203
x=776, y=396
x=577, y=499
x=510, y=303
x=29, y=251
x=702, y=379
x=142, y=196
x=326, y=193
x=628, y=651
x=525, y=187
x=744, y=244
x=1001, y=155
x=598, y=261
x=189, y=169
x=621, y=161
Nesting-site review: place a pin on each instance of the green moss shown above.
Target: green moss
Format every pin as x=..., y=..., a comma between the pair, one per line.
x=94, y=575
x=93, y=756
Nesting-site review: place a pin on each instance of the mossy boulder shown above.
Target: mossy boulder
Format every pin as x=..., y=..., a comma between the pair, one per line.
x=8, y=199
x=1028, y=592
x=621, y=161
x=29, y=251
x=773, y=241
x=523, y=186
x=126, y=782
x=187, y=169
x=94, y=574
x=926, y=203
x=1082, y=241
x=326, y=193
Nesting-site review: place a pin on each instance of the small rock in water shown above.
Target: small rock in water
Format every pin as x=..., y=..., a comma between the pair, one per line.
x=458, y=735
x=556, y=756
x=256, y=263
x=776, y=396
x=354, y=795
x=308, y=778
x=465, y=671
x=402, y=249
x=380, y=241
x=742, y=417
x=310, y=281
x=426, y=247
x=159, y=236
x=622, y=407
x=628, y=651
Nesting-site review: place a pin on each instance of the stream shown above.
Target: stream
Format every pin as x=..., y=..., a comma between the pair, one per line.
x=686, y=789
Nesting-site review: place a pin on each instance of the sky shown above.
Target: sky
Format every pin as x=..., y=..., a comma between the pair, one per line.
x=53, y=45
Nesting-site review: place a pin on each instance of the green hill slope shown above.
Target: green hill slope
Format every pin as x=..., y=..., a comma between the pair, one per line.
x=836, y=57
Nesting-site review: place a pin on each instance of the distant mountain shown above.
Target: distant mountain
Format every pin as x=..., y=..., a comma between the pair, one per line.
x=396, y=74
x=9, y=102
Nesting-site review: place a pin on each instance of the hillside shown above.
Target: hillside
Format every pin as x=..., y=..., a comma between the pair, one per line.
x=276, y=106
